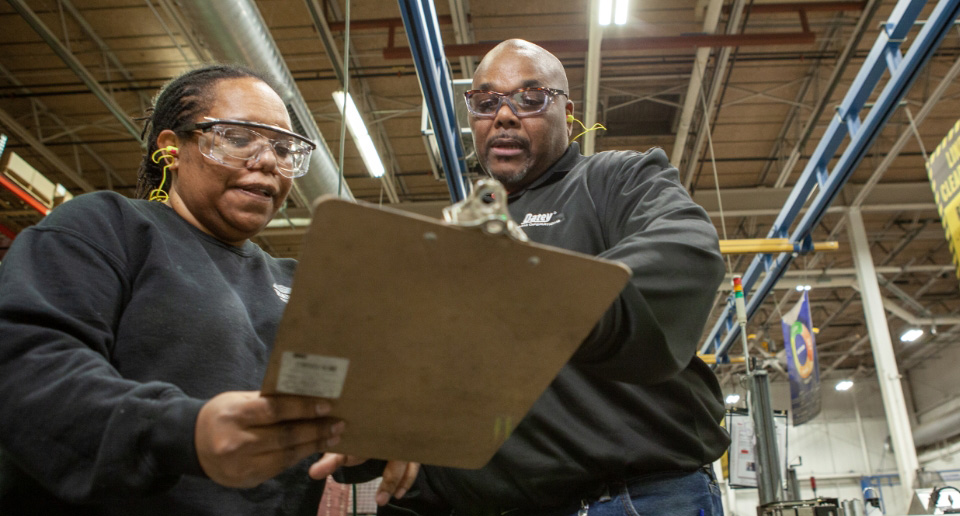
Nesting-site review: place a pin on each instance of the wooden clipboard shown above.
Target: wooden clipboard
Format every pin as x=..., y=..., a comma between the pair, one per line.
x=434, y=340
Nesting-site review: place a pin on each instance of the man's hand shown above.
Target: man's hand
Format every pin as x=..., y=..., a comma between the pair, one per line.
x=398, y=476
x=243, y=439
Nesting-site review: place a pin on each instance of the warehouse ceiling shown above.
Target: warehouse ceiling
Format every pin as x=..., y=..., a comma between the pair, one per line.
x=770, y=92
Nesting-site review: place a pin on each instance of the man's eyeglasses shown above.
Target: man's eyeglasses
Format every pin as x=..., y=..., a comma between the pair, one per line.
x=523, y=102
x=235, y=142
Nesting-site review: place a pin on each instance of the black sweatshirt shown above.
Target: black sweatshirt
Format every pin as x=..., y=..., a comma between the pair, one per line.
x=634, y=399
x=118, y=319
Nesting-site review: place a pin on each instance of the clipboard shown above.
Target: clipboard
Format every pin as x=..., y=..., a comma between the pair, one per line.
x=432, y=339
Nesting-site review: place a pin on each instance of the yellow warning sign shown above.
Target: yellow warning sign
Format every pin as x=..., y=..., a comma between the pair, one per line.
x=943, y=169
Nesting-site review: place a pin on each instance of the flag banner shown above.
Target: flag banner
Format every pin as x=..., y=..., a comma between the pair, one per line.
x=802, y=365
x=943, y=169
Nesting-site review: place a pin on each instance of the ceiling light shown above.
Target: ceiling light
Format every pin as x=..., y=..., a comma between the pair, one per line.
x=911, y=335
x=844, y=385
x=801, y=288
x=606, y=12
x=732, y=398
x=368, y=152
x=620, y=15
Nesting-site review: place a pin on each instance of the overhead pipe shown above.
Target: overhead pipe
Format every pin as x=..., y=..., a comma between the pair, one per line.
x=383, y=23
x=235, y=32
x=938, y=430
x=615, y=44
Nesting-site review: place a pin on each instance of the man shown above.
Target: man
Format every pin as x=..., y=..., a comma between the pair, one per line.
x=631, y=422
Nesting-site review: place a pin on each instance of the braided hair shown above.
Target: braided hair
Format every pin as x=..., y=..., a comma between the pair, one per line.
x=181, y=101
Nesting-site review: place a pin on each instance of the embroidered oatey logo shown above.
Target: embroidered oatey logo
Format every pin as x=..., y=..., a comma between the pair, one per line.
x=282, y=292
x=541, y=219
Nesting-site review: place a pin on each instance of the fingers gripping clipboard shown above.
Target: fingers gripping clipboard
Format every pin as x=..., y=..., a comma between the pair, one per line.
x=433, y=340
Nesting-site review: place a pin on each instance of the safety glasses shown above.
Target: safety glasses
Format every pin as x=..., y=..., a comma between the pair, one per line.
x=235, y=143
x=523, y=102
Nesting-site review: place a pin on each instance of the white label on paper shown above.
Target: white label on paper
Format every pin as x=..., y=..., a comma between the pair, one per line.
x=312, y=375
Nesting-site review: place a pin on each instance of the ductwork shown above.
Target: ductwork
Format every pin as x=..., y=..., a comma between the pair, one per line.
x=937, y=430
x=235, y=32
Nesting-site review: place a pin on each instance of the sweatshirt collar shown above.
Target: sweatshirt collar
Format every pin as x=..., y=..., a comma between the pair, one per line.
x=563, y=165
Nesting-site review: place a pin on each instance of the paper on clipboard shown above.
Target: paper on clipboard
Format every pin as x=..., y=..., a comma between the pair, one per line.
x=433, y=340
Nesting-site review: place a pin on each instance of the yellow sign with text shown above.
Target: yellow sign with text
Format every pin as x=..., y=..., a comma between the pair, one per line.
x=943, y=169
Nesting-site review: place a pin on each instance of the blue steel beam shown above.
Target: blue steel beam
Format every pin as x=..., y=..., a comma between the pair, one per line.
x=885, y=55
x=423, y=33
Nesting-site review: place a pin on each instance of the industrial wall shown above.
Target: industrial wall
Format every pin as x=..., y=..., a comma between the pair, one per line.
x=848, y=440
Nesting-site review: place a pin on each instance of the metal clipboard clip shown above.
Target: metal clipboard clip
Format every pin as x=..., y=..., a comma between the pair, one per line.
x=485, y=208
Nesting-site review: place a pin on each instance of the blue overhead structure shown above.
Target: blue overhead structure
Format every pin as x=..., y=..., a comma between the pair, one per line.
x=423, y=33
x=885, y=55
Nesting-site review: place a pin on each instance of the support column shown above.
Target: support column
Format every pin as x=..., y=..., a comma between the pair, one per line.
x=888, y=375
x=591, y=87
x=765, y=433
x=863, y=436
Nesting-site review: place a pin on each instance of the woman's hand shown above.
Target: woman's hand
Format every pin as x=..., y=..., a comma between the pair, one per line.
x=398, y=476
x=243, y=439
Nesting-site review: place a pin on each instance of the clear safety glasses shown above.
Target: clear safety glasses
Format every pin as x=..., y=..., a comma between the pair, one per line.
x=235, y=142
x=523, y=102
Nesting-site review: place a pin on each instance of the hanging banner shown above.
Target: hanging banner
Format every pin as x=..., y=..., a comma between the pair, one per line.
x=802, y=365
x=943, y=169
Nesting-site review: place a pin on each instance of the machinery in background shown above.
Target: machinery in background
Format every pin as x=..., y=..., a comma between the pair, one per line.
x=816, y=507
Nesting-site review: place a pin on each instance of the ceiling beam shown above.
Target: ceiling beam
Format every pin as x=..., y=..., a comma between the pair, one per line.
x=579, y=46
x=744, y=202
x=827, y=93
x=105, y=49
x=23, y=134
x=107, y=168
x=74, y=64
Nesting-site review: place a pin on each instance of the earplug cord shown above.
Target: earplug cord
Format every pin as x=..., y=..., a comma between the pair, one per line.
x=159, y=194
x=598, y=125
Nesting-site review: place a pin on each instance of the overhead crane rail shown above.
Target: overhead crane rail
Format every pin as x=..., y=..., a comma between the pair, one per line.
x=885, y=55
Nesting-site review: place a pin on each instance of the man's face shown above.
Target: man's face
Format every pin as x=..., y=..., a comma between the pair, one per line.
x=516, y=151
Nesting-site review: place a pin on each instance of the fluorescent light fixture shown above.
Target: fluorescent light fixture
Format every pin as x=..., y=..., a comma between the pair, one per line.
x=801, y=288
x=844, y=385
x=368, y=152
x=620, y=14
x=911, y=335
x=732, y=398
x=606, y=12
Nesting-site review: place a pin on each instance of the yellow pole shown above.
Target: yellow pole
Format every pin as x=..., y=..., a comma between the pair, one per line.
x=712, y=359
x=768, y=245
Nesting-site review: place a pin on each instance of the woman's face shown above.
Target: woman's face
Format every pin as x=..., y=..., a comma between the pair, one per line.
x=231, y=204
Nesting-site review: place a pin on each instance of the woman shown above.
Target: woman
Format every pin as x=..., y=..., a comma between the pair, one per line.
x=135, y=333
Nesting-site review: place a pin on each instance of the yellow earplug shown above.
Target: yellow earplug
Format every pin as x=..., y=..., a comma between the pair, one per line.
x=167, y=153
x=595, y=126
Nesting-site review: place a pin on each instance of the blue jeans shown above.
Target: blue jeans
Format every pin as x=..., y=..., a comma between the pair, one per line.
x=667, y=494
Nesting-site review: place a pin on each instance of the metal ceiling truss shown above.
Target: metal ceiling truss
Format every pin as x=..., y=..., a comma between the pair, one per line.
x=885, y=55
x=64, y=53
